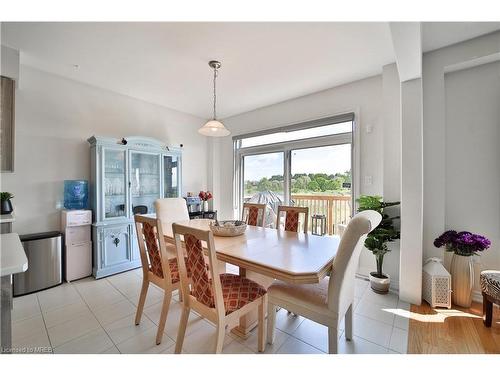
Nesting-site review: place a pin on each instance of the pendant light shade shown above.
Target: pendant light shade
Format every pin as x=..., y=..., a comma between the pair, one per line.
x=214, y=128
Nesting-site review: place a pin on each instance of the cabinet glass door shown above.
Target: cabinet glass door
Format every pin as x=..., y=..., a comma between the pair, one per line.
x=171, y=168
x=145, y=181
x=114, y=183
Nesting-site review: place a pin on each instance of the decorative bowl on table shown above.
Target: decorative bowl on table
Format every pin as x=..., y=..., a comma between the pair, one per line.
x=228, y=228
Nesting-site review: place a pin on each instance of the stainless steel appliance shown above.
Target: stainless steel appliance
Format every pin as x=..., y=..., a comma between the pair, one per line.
x=44, y=253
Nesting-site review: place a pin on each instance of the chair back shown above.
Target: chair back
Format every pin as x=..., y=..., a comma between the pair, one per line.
x=205, y=284
x=252, y=212
x=341, y=286
x=152, y=247
x=292, y=217
x=171, y=210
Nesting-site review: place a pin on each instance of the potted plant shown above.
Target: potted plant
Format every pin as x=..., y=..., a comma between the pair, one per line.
x=377, y=239
x=5, y=198
x=463, y=245
x=205, y=196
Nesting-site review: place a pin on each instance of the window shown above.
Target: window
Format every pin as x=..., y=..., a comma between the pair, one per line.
x=307, y=164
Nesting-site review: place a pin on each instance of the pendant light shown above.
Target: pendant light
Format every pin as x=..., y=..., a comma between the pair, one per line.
x=214, y=128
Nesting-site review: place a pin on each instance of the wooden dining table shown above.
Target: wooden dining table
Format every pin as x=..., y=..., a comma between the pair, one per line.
x=266, y=254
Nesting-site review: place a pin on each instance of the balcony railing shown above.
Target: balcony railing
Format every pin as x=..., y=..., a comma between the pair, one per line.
x=336, y=208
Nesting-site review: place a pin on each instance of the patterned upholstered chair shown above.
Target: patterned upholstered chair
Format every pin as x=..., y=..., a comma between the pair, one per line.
x=292, y=218
x=252, y=212
x=157, y=267
x=490, y=287
x=332, y=299
x=220, y=298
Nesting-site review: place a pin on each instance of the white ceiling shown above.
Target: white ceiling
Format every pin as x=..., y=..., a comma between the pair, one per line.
x=262, y=63
x=441, y=34
x=167, y=63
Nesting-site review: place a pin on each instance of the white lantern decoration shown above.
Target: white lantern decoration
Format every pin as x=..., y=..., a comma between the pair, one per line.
x=436, y=283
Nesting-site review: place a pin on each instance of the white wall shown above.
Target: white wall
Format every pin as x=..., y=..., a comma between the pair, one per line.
x=473, y=157
x=9, y=63
x=435, y=124
x=54, y=118
x=365, y=97
x=410, y=278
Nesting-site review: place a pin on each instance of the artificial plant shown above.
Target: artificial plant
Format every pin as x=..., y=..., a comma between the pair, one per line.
x=377, y=239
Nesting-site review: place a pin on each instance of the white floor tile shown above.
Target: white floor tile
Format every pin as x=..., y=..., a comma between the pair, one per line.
x=389, y=300
x=114, y=312
x=399, y=340
x=25, y=307
x=295, y=346
x=72, y=329
x=58, y=296
x=65, y=313
x=94, y=342
x=314, y=334
x=37, y=343
x=375, y=311
x=372, y=330
x=401, y=322
x=287, y=322
x=252, y=344
x=112, y=350
x=33, y=326
x=125, y=328
x=100, y=300
x=203, y=340
x=145, y=343
x=359, y=346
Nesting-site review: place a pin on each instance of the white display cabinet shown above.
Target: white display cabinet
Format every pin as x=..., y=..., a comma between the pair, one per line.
x=127, y=174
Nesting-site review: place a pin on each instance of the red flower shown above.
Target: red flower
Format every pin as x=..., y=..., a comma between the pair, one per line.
x=205, y=195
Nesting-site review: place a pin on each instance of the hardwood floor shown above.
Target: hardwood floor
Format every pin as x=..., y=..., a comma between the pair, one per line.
x=454, y=331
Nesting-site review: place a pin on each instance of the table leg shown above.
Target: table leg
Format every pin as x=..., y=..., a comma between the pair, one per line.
x=5, y=311
x=250, y=320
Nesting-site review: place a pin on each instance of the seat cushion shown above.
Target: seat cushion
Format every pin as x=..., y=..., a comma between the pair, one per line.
x=237, y=291
x=313, y=297
x=490, y=283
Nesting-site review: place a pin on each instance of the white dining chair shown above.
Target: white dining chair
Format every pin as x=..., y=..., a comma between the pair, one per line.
x=171, y=210
x=332, y=298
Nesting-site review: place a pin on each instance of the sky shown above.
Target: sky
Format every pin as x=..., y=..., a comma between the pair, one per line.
x=329, y=160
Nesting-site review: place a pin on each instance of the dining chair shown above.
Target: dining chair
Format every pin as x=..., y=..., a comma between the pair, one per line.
x=157, y=267
x=292, y=217
x=332, y=298
x=251, y=213
x=220, y=298
x=170, y=210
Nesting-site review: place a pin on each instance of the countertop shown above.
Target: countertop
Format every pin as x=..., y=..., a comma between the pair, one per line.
x=8, y=218
x=12, y=256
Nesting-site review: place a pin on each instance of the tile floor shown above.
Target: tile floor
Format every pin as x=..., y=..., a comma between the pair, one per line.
x=97, y=316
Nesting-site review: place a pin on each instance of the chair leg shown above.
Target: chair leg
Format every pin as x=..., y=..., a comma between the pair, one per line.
x=271, y=322
x=332, y=340
x=487, y=311
x=142, y=300
x=163, y=316
x=182, y=329
x=262, y=328
x=348, y=323
x=221, y=332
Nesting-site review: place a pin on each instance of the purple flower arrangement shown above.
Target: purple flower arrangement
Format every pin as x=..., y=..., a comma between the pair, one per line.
x=462, y=243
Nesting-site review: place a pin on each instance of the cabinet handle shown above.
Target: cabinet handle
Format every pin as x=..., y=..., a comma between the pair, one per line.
x=116, y=241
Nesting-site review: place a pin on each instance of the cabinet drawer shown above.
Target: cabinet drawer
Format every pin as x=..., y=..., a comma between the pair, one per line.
x=78, y=261
x=77, y=235
x=77, y=217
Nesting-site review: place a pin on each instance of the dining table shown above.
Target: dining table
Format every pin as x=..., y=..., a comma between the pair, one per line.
x=266, y=254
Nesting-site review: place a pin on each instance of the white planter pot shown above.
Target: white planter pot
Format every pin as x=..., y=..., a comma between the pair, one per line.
x=204, y=206
x=380, y=285
x=462, y=279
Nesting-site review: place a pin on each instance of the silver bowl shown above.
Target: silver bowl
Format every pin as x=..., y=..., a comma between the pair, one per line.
x=228, y=228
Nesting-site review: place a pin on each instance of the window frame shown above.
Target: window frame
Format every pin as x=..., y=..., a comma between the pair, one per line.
x=287, y=146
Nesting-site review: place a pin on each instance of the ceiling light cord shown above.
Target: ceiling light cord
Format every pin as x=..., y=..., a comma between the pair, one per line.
x=215, y=93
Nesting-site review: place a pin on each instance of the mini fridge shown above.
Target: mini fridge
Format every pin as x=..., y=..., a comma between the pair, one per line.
x=44, y=253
